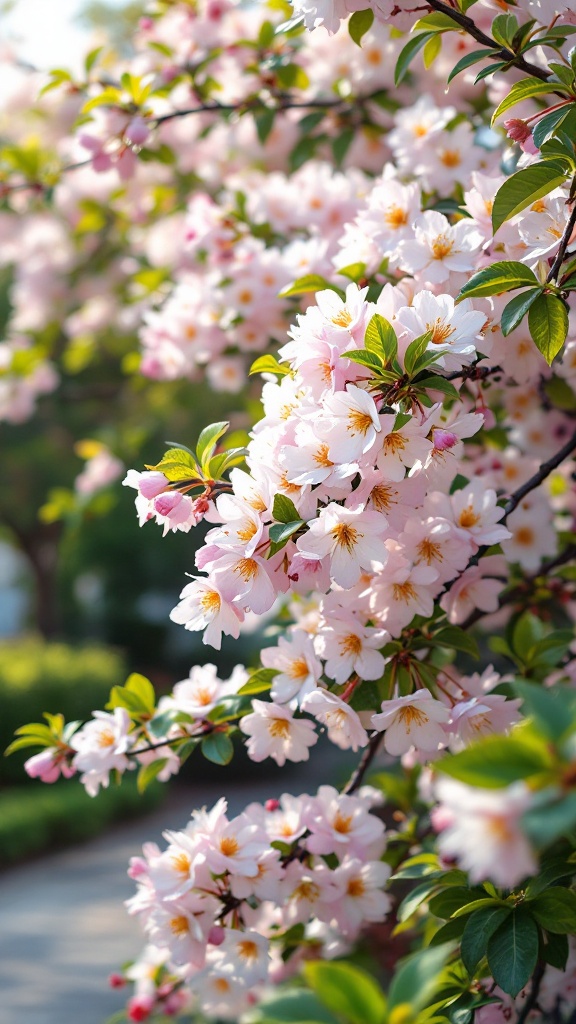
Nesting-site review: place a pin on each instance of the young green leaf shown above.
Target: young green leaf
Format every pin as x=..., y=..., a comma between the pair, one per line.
x=269, y=364
x=548, y=324
x=359, y=24
x=515, y=311
x=259, y=682
x=520, y=91
x=381, y=339
x=217, y=748
x=347, y=991
x=208, y=440
x=284, y=509
x=309, y=283
x=413, y=46
x=525, y=187
x=148, y=772
x=499, y=277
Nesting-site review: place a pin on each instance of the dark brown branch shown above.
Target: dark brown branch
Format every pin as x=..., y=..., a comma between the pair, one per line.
x=544, y=471
x=555, y=268
x=534, y=993
x=474, y=372
x=356, y=779
x=472, y=29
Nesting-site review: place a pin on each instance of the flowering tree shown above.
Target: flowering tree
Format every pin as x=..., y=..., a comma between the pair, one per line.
x=354, y=206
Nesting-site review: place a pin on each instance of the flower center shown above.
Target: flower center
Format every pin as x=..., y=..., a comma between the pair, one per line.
x=106, y=738
x=395, y=217
x=429, y=552
x=468, y=517
x=403, y=592
x=210, y=602
x=343, y=318
x=279, y=728
x=441, y=247
x=180, y=925
x=350, y=644
x=229, y=846
x=412, y=716
x=342, y=824
x=359, y=422
x=355, y=887
x=247, y=568
x=345, y=536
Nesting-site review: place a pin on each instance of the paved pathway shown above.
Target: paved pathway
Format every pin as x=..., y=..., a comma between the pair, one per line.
x=62, y=925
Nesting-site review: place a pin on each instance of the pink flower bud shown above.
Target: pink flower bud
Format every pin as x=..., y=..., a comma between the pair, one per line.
x=443, y=439
x=48, y=765
x=139, y=1007
x=216, y=935
x=145, y=24
x=517, y=129
x=272, y=805
x=116, y=981
x=167, y=503
x=138, y=866
x=137, y=131
x=151, y=484
x=489, y=418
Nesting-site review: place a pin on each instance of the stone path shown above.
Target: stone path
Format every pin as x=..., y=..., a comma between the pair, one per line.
x=62, y=925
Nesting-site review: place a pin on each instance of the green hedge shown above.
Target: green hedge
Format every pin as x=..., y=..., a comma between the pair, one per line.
x=39, y=817
x=36, y=676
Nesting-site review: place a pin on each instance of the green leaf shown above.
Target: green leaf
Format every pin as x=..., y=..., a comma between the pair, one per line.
x=448, y=902
x=515, y=311
x=504, y=28
x=290, y=1007
x=556, y=951
x=218, y=748
x=309, y=283
x=413, y=46
x=480, y=926
x=347, y=990
x=431, y=50
x=363, y=358
x=495, y=762
x=284, y=510
x=553, y=816
x=341, y=144
x=355, y=271
x=143, y=689
x=359, y=24
x=436, y=383
x=513, y=952
x=415, y=898
x=208, y=440
x=160, y=724
x=555, y=910
x=415, y=350
x=547, y=126
x=499, y=277
x=176, y=465
x=417, y=977
x=524, y=188
x=548, y=324
x=148, y=773
x=381, y=339
x=552, y=709
x=456, y=639
x=436, y=22
x=468, y=61
x=522, y=90
x=269, y=364
x=27, y=741
x=264, y=121
x=259, y=681
x=281, y=532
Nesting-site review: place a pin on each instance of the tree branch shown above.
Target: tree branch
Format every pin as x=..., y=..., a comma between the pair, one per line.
x=555, y=268
x=534, y=993
x=472, y=29
x=544, y=471
x=356, y=779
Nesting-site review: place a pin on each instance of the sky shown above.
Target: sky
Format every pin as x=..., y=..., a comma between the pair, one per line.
x=46, y=32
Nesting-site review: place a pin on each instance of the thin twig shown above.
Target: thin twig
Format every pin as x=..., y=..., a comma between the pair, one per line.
x=534, y=993
x=544, y=471
x=555, y=268
x=472, y=29
x=355, y=780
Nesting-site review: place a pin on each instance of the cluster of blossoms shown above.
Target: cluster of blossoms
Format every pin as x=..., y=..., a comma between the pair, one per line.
x=223, y=894
x=415, y=449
